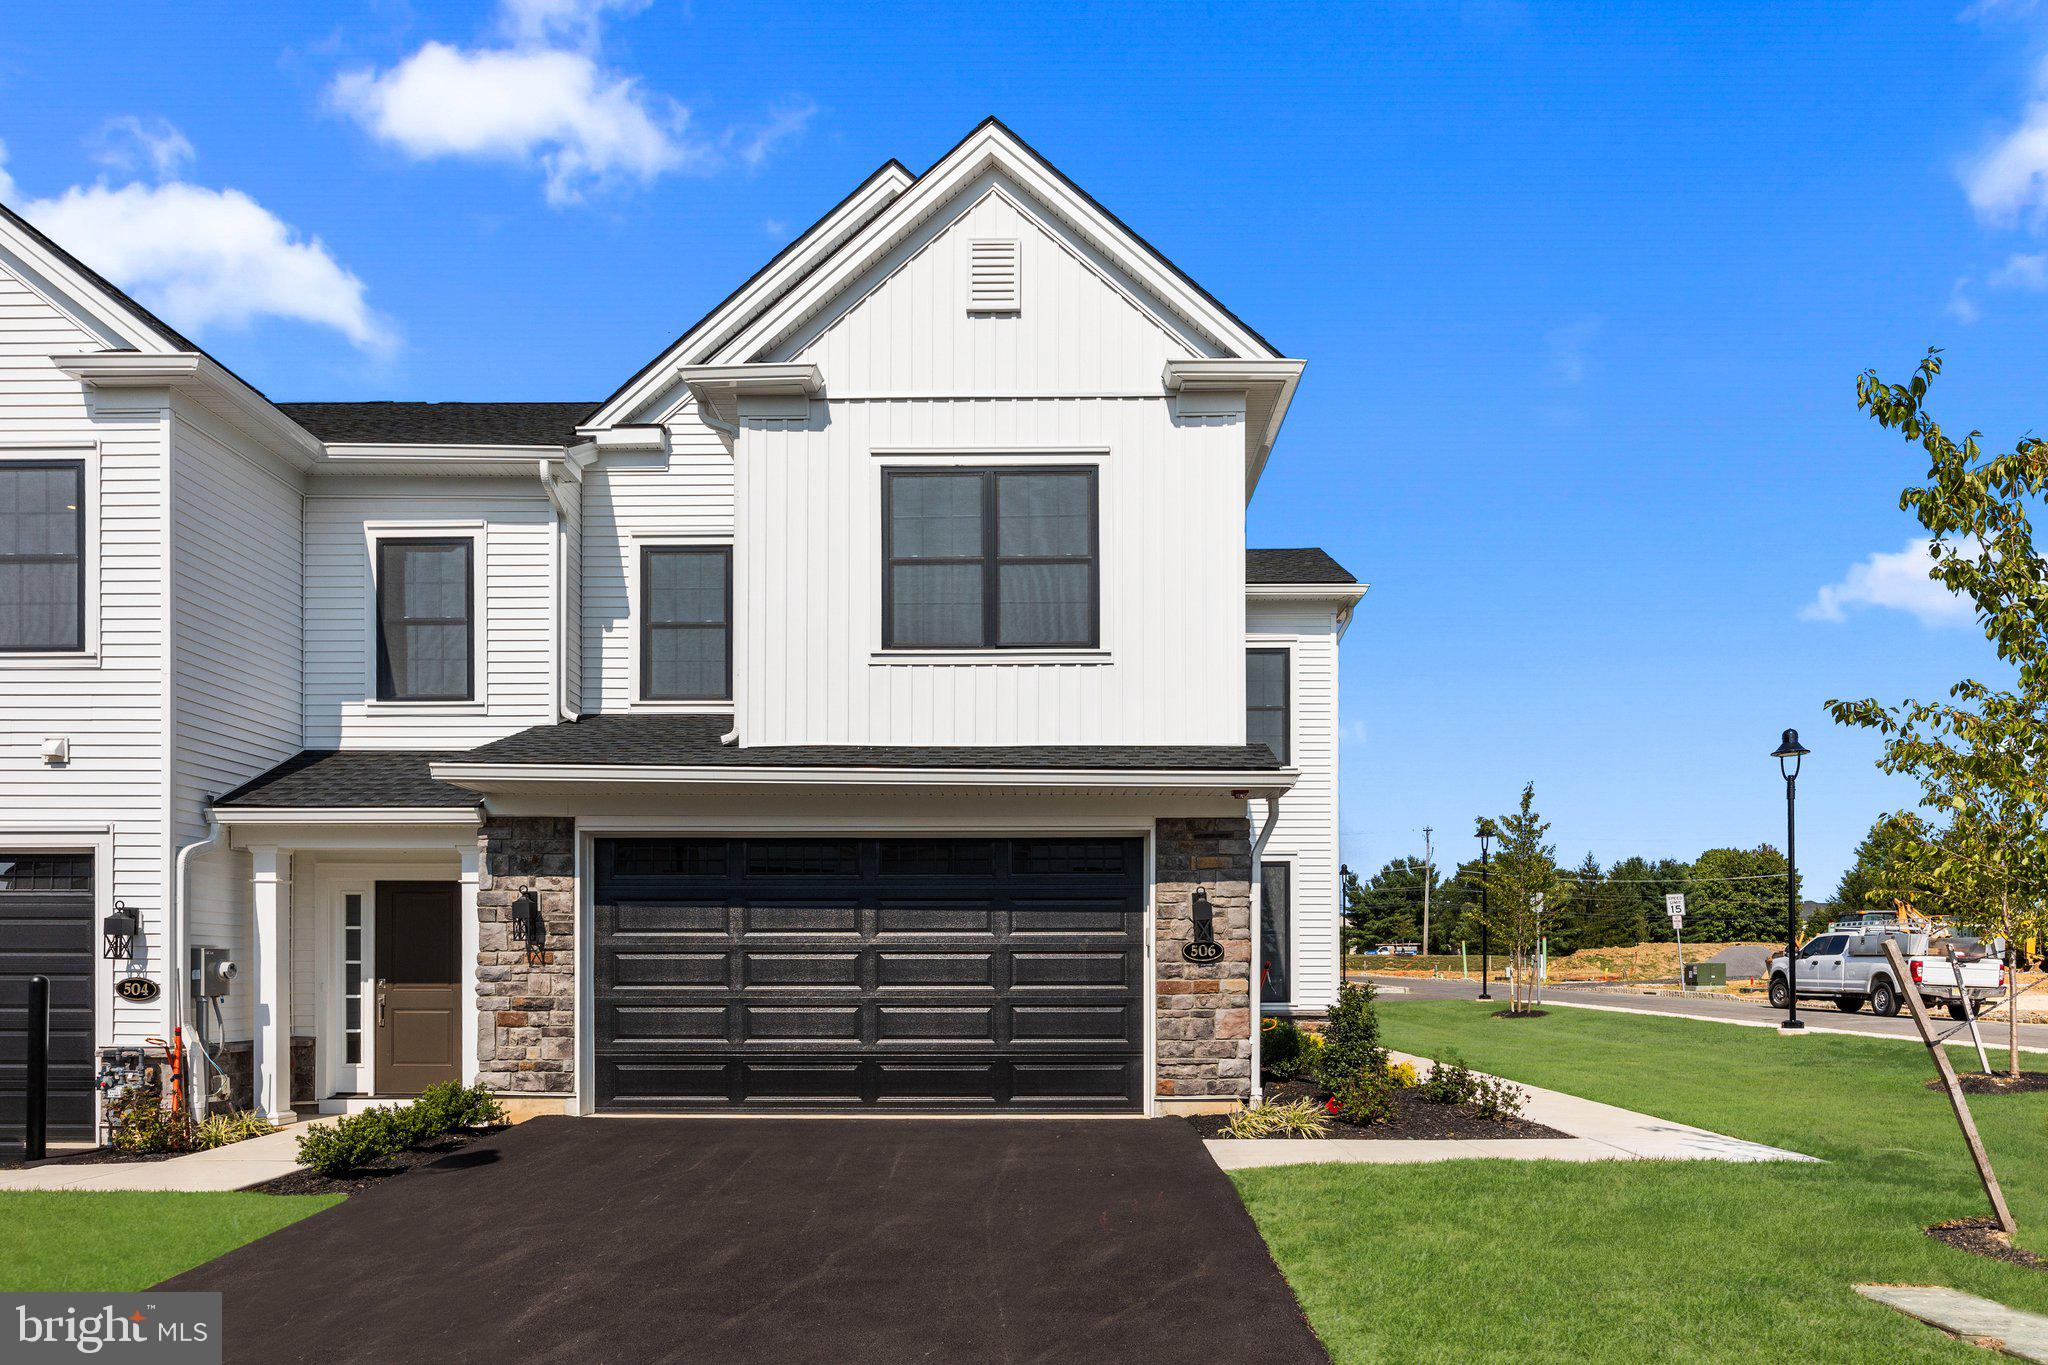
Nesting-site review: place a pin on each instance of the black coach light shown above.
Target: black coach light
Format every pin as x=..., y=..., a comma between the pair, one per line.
x=527, y=925
x=119, y=930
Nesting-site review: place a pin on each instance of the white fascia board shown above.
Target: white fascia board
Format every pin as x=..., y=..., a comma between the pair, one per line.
x=797, y=261
x=452, y=461
x=1280, y=377
x=988, y=147
x=202, y=375
x=789, y=378
x=640, y=436
x=486, y=776
x=113, y=316
x=1306, y=592
x=347, y=815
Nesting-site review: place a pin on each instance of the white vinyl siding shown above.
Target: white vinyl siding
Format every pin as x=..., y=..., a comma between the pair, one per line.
x=630, y=499
x=903, y=329
x=1170, y=664
x=514, y=606
x=1306, y=834
x=110, y=702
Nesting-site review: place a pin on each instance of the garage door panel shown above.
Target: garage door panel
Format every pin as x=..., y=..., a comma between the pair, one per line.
x=801, y=969
x=928, y=973
x=925, y=1022
x=668, y=917
x=668, y=969
x=801, y=918
x=48, y=927
x=928, y=970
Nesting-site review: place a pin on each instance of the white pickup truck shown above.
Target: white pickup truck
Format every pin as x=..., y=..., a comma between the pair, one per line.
x=1848, y=965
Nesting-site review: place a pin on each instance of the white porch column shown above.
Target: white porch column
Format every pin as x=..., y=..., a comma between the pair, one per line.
x=469, y=943
x=271, y=981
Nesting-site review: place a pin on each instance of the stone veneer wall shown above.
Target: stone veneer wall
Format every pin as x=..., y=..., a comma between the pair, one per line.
x=526, y=1010
x=1204, y=1012
x=238, y=1064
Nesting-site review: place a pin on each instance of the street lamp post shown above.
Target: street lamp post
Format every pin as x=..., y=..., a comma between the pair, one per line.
x=1485, y=908
x=1788, y=753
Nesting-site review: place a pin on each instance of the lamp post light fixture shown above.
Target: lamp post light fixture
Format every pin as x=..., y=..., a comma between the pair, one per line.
x=1788, y=753
x=1486, y=832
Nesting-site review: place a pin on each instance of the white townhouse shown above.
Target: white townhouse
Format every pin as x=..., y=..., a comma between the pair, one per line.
x=873, y=703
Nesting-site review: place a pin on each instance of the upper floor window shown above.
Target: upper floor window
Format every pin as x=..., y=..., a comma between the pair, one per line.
x=42, y=556
x=686, y=623
x=1266, y=700
x=426, y=609
x=990, y=559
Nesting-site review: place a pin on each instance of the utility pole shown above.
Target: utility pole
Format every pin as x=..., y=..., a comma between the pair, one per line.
x=1429, y=876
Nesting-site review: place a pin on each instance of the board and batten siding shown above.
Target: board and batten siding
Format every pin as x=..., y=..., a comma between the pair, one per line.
x=237, y=708
x=1305, y=835
x=1081, y=326
x=111, y=706
x=633, y=498
x=514, y=601
x=809, y=579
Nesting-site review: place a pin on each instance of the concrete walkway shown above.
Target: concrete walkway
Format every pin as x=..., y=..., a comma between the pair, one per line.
x=1599, y=1132
x=234, y=1167
x=1979, y=1321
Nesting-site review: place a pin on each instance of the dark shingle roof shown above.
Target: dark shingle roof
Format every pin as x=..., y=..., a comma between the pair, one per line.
x=462, y=424
x=320, y=778
x=1305, y=565
x=692, y=741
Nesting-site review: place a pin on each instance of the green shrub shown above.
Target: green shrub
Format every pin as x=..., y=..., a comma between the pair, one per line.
x=360, y=1140
x=140, y=1125
x=1293, y=1119
x=219, y=1130
x=1286, y=1050
x=1367, y=1098
x=1351, y=1040
x=1452, y=1082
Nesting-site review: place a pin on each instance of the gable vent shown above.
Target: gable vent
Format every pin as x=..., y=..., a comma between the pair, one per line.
x=995, y=275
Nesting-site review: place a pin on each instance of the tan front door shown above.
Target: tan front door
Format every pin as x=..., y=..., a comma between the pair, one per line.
x=418, y=995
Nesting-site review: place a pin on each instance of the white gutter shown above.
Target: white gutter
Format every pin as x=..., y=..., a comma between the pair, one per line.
x=1266, y=828
x=1265, y=782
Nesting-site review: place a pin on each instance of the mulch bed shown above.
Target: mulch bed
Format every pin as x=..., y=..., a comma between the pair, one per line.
x=308, y=1182
x=1519, y=1014
x=98, y=1156
x=1977, y=1083
x=1415, y=1119
x=1982, y=1237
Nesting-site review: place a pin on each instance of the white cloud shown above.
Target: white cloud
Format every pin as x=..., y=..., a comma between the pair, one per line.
x=1961, y=306
x=6, y=180
x=205, y=257
x=1565, y=350
x=586, y=128
x=128, y=143
x=2022, y=270
x=543, y=98
x=1898, y=582
x=2007, y=183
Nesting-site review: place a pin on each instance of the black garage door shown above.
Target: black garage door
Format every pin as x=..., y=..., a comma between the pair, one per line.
x=912, y=974
x=46, y=929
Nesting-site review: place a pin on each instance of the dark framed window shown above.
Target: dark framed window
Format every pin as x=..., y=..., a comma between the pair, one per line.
x=990, y=559
x=1267, y=715
x=42, y=556
x=686, y=623
x=1275, y=933
x=426, y=619
x=45, y=872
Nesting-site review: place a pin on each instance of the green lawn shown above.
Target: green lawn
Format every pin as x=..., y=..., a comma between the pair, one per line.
x=79, y=1240
x=1633, y=1261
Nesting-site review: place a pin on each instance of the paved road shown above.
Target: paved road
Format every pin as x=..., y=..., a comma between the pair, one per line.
x=1817, y=1014
x=777, y=1240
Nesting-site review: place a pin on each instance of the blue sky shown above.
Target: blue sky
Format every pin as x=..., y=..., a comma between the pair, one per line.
x=1583, y=289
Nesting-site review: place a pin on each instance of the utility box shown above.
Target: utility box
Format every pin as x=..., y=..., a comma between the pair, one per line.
x=212, y=970
x=1707, y=974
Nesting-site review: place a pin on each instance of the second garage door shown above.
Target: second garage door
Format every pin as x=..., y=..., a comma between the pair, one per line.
x=842, y=973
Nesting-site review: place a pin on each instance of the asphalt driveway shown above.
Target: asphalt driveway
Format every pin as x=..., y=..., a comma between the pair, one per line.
x=748, y=1239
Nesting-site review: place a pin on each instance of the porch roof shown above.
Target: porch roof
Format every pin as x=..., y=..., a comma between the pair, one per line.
x=354, y=779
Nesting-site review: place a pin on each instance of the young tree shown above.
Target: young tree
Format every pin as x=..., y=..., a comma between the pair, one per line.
x=1981, y=756
x=1885, y=872
x=1524, y=890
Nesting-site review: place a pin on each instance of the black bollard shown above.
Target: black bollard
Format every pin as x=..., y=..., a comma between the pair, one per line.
x=36, y=1106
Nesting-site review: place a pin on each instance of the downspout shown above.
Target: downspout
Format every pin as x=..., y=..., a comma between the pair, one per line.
x=1266, y=827
x=732, y=434
x=177, y=988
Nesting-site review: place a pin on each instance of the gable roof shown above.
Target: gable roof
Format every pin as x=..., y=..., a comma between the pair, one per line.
x=441, y=424
x=1301, y=565
x=171, y=338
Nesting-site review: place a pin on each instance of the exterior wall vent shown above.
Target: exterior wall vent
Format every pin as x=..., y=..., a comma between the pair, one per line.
x=995, y=275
